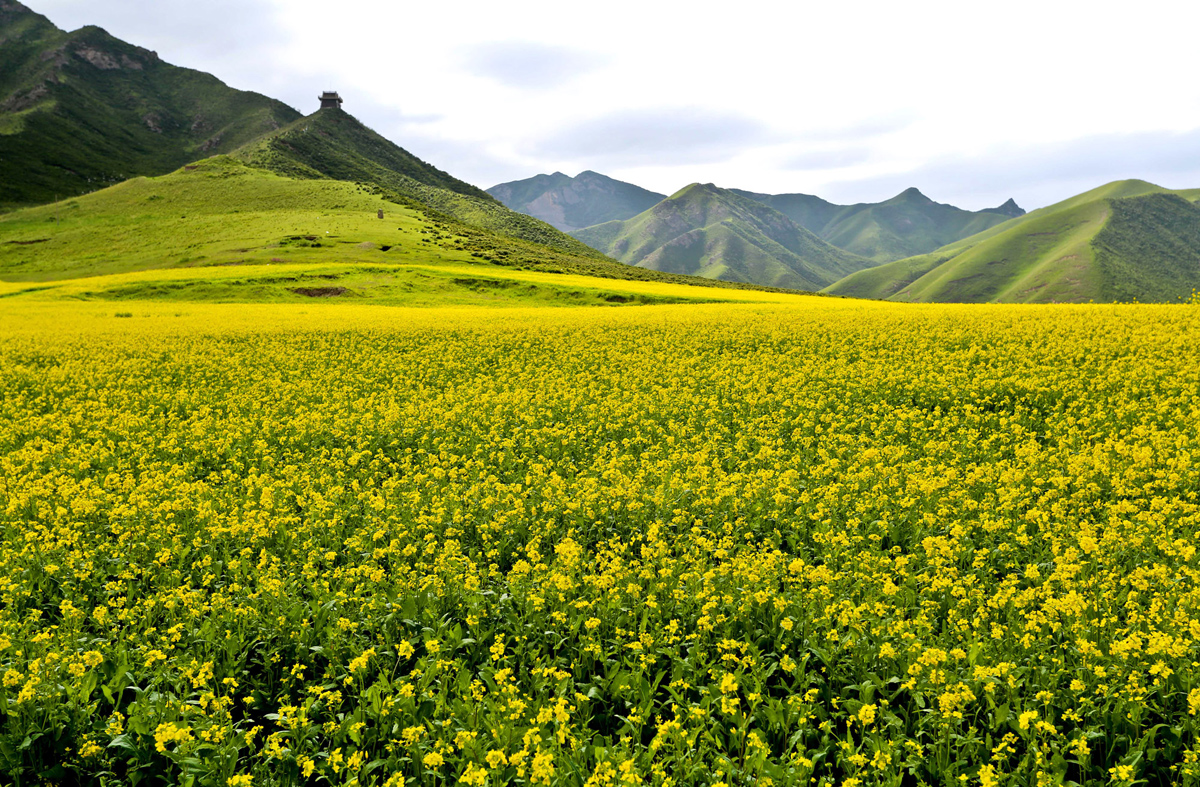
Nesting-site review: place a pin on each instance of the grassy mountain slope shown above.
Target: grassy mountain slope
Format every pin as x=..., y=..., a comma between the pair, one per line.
x=573, y=203
x=223, y=230
x=884, y=281
x=1150, y=249
x=907, y=224
x=334, y=144
x=82, y=110
x=1125, y=240
x=707, y=231
x=810, y=212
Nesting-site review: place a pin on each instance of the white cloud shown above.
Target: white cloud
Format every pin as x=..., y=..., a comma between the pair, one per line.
x=834, y=99
x=828, y=159
x=529, y=64
x=1037, y=175
x=673, y=135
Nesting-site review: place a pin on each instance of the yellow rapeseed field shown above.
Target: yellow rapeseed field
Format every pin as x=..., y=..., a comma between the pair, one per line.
x=827, y=543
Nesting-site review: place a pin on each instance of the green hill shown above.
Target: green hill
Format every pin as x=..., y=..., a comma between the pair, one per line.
x=1124, y=241
x=809, y=211
x=574, y=203
x=82, y=110
x=909, y=223
x=707, y=231
x=333, y=144
x=220, y=229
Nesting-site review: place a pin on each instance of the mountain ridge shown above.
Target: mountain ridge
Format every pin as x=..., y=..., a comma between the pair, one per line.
x=1125, y=240
x=567, y=203
x=276, y=237
x=1009, y=208
x=907, y=224
x=715, y=233
x=81, y=110
x=332, y=143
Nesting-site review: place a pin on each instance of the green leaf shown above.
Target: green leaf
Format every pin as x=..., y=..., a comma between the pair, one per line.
x=124, y=742
x=88, y=685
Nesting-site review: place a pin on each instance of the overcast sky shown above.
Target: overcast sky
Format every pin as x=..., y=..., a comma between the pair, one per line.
x=971, y=103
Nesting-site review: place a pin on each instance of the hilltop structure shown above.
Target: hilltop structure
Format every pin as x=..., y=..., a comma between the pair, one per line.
x=331, y=100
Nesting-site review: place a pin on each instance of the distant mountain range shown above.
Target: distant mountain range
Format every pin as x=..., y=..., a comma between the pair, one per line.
x=707, y=231
x=574, y=203
x=781, y=240
x=82, y=110
x=1129, y=240
x=909, y=223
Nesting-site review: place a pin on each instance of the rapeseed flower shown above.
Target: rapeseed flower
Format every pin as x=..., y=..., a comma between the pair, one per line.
x=622, y=544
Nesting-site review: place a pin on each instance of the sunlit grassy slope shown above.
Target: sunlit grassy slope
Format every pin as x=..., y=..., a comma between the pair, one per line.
x=1128, y=240
x=334, y=144
x=407, y=284
x=221, y=230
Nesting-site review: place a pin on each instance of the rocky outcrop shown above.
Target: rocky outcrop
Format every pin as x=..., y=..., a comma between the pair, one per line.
x=1010, y=208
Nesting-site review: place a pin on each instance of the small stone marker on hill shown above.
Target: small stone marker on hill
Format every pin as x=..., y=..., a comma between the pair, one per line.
x=381, y=213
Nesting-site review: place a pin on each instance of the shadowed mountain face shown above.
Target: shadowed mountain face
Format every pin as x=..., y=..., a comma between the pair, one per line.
x=907, y=224
x=1129, y=240
x=1010, y=209
x=82, y=110
x=712, y=232
x=573, y=203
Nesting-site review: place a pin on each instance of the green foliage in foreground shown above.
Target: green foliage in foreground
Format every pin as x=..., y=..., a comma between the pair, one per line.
x=392, y=284
x=828, y=544
x=1128, y=240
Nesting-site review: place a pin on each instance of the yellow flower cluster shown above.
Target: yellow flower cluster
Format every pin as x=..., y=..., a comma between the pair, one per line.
x=830, y=543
